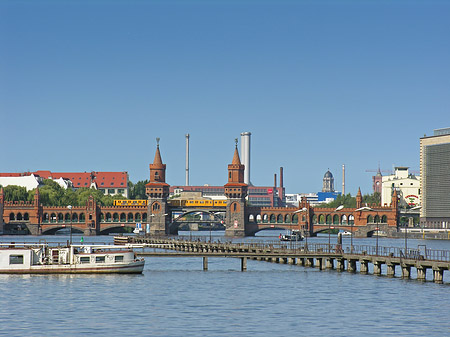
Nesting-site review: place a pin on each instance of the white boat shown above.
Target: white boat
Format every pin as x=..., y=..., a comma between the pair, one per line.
x=345, y=233
x=294, y=235
x=379, y=234
x=72, y=259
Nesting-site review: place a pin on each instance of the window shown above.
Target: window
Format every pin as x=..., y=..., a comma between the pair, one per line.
x=16, y=259
x=84, y=259
x=118, y=258
x=100, y=259
x=111, y=190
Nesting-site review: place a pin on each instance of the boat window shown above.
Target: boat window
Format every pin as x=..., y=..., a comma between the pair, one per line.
x=99, y=259
x=118, y=258
x=16, y=259
x=85, y=259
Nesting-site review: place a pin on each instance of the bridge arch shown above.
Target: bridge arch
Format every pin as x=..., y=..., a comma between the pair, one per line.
x=52, y=229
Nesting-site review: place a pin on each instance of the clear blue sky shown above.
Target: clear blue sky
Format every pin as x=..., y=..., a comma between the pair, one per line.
x=89, y=85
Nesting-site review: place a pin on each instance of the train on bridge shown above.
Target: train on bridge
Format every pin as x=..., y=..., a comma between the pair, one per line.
x=173, y=203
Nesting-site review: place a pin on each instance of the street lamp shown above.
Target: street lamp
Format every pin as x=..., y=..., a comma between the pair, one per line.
x=304, y=209
x=70, y=208
x=329, y=231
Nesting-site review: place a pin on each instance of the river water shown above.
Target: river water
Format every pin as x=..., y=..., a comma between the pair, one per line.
x=175, y=297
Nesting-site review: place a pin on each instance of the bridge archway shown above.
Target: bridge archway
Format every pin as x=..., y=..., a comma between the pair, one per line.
x=47, y=230
x=180, y=219
x=117, y=228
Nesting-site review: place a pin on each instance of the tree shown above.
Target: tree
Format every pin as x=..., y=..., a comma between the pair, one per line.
x=137, y=191
x=15, y=193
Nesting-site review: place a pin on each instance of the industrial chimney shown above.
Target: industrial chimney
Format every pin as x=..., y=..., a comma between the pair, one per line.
x=245, y=155
x=343, y=179
x=187, y=159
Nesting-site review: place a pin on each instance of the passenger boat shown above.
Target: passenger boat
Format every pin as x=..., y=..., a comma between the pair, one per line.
x=294, y=235
x=345, y=233
x=71, y=259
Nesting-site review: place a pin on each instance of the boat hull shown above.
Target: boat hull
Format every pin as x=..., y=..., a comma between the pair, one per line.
x=129, y=268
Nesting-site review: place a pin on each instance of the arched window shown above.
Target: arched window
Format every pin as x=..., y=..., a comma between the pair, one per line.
x=19, y=216
x=335, y=219
x=279, y=218
x=138, y=217
x=314, y=219
x=115, y=217
x=82, y=218
x=60, y=217
x=144, y=217
x=377, y=218
x=123, y=217
x=370, y=219
x=26, y=217
x=108, y=217
x=12, y=217
x=53, y=217
x=251, y=218
x=384, y=219
x=130, y=217
x=258, y=218
x=45, y=218
x=67, y=217
x=272, y=218
x=351, y=220
x=287, y=219
x=321, y=219
x=295, y=218
x=265, y=218
x=74, y=217
x=344, y=219
x=235, y=207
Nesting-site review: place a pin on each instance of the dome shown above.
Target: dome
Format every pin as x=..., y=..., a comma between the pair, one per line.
x=328, y=174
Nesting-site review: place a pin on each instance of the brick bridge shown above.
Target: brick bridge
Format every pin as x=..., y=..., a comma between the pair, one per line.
x=240, y=219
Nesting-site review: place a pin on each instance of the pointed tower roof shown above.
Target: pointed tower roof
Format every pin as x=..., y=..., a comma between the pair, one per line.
x=359, y=192
x=236, y=159
x=157, y=160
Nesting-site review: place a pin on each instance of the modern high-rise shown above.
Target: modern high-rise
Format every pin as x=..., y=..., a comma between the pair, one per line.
x=435, y=179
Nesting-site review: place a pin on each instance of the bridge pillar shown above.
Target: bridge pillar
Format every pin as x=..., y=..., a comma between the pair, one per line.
x=330, y=263
x=290, y=260
x=34, y=229
x=243, y=263
x=421, y=273
x=301, y=261
x=406, y=271
x=377, y=268
x=205, y=263
x=351, y=266
x=438, y=275
x=364, y=266
x=309, y=262
x=390, y=269
x=319, y=262
x=340, y=264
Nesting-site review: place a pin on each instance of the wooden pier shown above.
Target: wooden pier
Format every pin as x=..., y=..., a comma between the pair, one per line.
x=322, y=256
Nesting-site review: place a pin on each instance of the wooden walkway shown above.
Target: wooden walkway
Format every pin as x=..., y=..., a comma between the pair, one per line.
x=322, y=256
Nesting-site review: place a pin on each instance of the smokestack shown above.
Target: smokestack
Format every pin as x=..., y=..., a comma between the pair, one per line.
x=343, y=179
x=187, y=159
x=245, y=155
x=275, y=181
x=281, y=177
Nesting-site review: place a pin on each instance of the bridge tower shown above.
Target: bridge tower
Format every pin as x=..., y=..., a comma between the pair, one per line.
x=235, y=191
x=157, y=190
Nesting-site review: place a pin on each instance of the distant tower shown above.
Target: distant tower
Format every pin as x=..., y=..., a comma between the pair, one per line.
x=328, y=182
x=158, y=191
x=235, y=191
x=343, y=179
x=187, y=159
x=245, y=153
x=377, y=180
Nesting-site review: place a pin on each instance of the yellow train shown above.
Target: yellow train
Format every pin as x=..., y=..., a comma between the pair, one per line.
x=129, y=202
x=174, y=203
x=198, y=203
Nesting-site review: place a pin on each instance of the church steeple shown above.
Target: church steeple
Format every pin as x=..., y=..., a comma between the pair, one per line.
x=236, y=169
x=157, y=169
x=359, y=198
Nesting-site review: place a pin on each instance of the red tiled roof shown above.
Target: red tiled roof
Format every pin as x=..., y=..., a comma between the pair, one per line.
x=82, y=179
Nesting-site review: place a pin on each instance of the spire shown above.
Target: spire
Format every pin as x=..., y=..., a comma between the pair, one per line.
x=236, y=159
x=359, y=192
x=157, y=160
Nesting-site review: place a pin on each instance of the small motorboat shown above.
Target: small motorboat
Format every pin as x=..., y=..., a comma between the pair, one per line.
x=294, y=235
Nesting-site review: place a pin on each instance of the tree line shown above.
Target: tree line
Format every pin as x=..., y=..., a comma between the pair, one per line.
x=52, y=194
x=350, y=202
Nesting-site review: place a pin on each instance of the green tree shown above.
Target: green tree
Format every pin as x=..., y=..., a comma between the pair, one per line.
x=15, y=193
x=137, y=191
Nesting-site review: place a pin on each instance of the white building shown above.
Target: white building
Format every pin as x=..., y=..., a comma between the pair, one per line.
x=406, y=184
x=29, y=182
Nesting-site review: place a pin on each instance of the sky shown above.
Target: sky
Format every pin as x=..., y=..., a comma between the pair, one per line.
x=90, y=85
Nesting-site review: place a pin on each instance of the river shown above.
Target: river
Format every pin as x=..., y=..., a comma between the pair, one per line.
x=175, y=297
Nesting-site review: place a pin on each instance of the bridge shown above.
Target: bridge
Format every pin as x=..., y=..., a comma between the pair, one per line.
x=240, y=219
x=322, y=256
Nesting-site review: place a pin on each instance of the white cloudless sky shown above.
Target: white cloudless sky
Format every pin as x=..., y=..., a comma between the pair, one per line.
x=89, y=85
